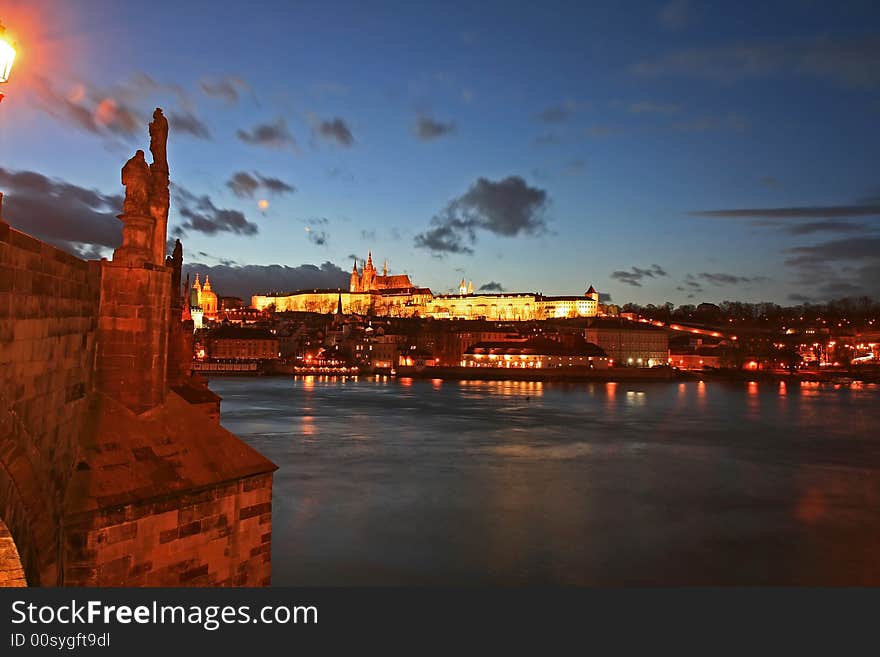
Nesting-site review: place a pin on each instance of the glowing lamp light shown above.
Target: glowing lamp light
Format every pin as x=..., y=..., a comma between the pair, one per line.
x=7, y=56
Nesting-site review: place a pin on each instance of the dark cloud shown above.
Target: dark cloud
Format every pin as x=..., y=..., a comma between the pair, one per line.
x=850, y=61
x=829, y=226
x=733, y=121
x=227, y=89
x=770, y=181
x=428, y=129
x=800, y=298
x=246, y=280
x=547, y=139
x=491, y=286
x=201, y=215
x=506, y=207
x=575, y=166
x=269, y=135
x=79, y=220
x=840, y=267
x=315, y=230
x=650, y=107
x=189, y=124
x=725, y=279
x=819, y=212
x=245, y=185
x=635, y=276
x=368, y=235
x=604, y=297
x=849, y=249
x=556, y=113
x=336, y=130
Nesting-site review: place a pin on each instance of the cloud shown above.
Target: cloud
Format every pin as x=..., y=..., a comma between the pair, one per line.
x=227, y=89
x=730, y=121
x=676, y=15
x=650, y=107
x=846, y=266
x=556, y=113
x=189, y=124
x=828, y=226
x=849, y=61
x=88, y=109
x=547, y=139
x=428, y=129
x=201, y=215
x=491, y=286
x=368, y=235
x=114, y=113
x=771, y=181
x=725, y=279
x=245, y=185
x=818, y=212
x=336, y=130
x=246, y=280
x=848, y=249
x=269, y=135
x=79, y=220
x=506, y=207
x=315, y=230
x=635, y=276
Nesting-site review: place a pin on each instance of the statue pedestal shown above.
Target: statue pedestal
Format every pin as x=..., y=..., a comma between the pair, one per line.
x=137, y=240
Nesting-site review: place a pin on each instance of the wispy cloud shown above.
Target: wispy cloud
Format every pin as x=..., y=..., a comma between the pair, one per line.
x=636, y=275
x=336, y=130
x=429, y=129
x=850, y=61
x=270, y=135
x=245, y=185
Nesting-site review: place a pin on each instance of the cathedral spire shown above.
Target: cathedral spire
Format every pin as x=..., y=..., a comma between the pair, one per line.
x=370, y=259
x=385, y=268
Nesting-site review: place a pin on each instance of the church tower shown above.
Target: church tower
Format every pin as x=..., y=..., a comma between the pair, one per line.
x=592, y=294
x=355, y=283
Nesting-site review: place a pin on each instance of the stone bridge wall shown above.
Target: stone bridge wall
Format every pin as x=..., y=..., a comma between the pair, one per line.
x=48, y=321
x=107, y=475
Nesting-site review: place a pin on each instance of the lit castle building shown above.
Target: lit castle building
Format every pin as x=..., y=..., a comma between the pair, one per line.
x=394, y=295
x=370, y=281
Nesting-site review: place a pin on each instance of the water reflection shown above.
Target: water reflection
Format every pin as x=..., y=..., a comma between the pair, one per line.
x=382, y=482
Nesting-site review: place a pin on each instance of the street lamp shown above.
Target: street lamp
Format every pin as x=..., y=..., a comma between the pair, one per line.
x=7, y=56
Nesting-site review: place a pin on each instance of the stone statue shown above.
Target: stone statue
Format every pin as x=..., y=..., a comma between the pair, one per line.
x=136, y=179
x=159, y=140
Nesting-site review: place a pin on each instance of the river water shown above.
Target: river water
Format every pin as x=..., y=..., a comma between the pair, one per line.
x=420, y=482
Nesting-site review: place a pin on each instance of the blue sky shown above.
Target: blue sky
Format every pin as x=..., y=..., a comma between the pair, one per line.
x=540, y=148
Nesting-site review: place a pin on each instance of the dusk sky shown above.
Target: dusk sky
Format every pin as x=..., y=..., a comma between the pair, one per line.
x=662, y=151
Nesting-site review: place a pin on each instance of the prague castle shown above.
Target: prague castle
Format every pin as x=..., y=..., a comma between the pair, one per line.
x=370, y=281
x=394, y=295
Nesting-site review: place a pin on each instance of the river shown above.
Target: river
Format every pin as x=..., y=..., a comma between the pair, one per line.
x=439, y=483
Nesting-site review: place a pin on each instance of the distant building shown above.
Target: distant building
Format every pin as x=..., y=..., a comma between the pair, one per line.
x=636, y=345
x=535, y=353
x=512, y=306
x=385, y=295
x=229, y=342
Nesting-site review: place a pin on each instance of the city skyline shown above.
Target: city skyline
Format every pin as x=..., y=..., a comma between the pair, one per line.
x=660, y=151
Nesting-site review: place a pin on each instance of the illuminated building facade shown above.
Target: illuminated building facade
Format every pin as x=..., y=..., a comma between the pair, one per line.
x=535, y=353
x=239, y=343
x=629, y=344
x=395, y=296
